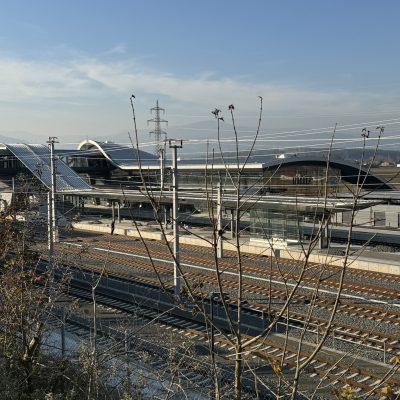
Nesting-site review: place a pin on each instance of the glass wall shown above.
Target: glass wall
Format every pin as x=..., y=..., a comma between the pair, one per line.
x=268, y=224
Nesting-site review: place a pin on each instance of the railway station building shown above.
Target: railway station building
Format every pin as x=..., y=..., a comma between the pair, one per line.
x=279, y=195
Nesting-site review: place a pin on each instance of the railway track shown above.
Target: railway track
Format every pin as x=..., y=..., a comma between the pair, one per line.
x=336, y=368
x=119, y=252
x=281, y=269
x=379, y=340
x=124, y=331
x=390, y=344
x=128, y=259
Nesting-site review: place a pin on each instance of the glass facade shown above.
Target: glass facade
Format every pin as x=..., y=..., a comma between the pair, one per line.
x=272, y=224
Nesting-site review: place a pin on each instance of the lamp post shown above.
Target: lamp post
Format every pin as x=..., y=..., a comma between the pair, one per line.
x=175, y=144
x=52, y=223
x=219, y=221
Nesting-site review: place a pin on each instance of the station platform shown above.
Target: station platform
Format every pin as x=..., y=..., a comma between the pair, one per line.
x=360, y=258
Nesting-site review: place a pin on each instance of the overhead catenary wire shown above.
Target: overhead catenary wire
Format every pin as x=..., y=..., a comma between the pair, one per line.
x=278, y=134
x=281, y=149
x=258, y=155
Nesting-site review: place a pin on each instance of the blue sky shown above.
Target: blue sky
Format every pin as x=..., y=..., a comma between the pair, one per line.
x=67, y=68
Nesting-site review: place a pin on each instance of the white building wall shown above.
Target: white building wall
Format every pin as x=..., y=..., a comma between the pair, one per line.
x=372, y=216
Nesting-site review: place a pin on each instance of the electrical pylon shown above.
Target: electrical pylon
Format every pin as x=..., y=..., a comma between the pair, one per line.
x=158, y=132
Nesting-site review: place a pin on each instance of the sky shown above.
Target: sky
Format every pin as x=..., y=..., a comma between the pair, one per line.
x=68, y=68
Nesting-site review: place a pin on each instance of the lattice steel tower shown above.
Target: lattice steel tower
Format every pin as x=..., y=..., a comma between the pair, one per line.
x=158, y=132
x=160, y=144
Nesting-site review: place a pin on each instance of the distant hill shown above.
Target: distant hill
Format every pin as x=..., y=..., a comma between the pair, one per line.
x=392, y=156
x=345, y=154
x=201, y=137
x=19, y=137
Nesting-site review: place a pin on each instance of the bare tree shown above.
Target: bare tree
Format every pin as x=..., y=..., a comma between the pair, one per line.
x=294, y=279
x=28, y=296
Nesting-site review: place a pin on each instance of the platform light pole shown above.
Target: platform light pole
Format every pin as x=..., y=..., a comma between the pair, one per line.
x=49, y=227
x=220, y=253
x=162, y=168
x=175, y=144
x=52, y=222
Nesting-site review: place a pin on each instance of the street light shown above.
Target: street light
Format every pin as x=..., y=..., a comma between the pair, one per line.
x=175, y=144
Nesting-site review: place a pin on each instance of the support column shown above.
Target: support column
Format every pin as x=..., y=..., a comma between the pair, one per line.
x=112, y=211
x=324, y=236
x=232, y=224
x=13, y=190
x=119, y=211
x=166, y=215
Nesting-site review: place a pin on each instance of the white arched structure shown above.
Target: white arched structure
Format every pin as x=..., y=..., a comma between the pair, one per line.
x=121, y=156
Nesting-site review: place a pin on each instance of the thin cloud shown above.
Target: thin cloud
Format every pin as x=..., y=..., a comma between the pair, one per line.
x=81, y=78
x=118, y=49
